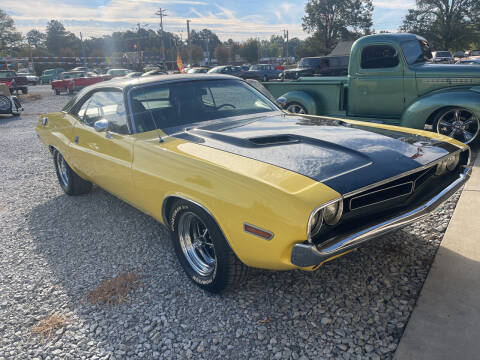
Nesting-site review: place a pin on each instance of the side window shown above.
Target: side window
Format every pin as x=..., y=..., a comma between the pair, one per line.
x=379, y=57
x=108, y=105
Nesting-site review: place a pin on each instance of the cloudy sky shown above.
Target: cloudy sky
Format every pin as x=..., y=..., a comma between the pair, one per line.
x=236, y=19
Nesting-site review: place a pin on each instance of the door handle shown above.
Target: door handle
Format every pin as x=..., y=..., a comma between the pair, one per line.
x=75, y=139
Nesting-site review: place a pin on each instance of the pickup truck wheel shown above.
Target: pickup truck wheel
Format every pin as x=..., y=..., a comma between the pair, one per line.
x=202, y=250
x=70, y=182
x=296, y=108
x=458, y=123
x=25, y=91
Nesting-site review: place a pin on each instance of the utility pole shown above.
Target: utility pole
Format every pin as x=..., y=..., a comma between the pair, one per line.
x=188, y=43
x=83, y=49
x=162, y=12
x=285, y=35
x=139, y=65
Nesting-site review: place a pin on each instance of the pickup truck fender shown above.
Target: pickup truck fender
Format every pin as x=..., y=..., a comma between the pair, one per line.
x=421, y=113
x=304, y=99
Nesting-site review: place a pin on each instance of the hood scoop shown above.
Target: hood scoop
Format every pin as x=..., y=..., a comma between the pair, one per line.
x=274, y=140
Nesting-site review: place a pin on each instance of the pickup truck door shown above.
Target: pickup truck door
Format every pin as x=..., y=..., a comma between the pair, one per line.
x=105, y=157
x=376, y=85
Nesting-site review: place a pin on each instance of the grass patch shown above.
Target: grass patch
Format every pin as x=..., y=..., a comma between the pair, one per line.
x=114, y=291
x=49, y=325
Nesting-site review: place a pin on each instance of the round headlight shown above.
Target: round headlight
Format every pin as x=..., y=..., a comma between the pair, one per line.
x=316, y=223
x=333, y=213
x=452, y=162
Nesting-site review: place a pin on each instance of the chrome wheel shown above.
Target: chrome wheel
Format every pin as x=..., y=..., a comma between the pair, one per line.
x=62, y=169
x=196, y=244
x=296, y=109
x=460, y=124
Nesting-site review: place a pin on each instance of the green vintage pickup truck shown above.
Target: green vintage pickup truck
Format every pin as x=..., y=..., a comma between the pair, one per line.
x=391, y=81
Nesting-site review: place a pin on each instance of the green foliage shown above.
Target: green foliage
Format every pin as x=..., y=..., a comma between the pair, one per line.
x=222, y=54
x=249, y=50
x=10, y=39
x=36, y=38
x=451, y=25
x=335, y=20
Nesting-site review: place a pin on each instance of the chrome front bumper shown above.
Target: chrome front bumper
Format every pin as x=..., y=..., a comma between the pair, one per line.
x=306, y=255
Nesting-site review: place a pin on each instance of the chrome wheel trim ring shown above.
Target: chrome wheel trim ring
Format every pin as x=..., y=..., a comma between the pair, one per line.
x=460, y=124
x=196, y=244
x=62, y=169
x=296, y=109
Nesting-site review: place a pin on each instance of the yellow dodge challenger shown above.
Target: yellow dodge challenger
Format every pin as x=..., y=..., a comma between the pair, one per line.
x=241, y=183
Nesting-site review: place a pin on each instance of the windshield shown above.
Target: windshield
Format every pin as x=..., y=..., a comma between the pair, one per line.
x=308, y=62
x=443, y=54
x=6, y=74
x=475, y=53
x=177, y=105
x=416, y=51
x=216, y=69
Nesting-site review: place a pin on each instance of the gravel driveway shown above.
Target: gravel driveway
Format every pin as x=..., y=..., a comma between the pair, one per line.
x=55, y=248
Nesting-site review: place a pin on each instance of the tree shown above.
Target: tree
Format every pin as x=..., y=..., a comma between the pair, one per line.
x=448, y=24
x=333, y=20
x=9, y=37
x=249, y=50
x=222, y=54
x=206, y=39
x=36, y=38
x=61, y=42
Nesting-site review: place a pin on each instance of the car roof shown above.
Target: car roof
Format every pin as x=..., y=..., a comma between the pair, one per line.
x=158, y=79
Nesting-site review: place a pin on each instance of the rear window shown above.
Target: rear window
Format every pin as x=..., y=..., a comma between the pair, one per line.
x=443, y=54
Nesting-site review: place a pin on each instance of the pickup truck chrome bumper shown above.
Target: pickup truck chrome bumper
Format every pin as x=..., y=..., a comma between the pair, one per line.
x=306, y=255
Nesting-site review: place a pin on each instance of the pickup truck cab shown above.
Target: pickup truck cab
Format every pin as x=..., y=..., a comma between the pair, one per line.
x=14, y=82
x=50, y=75
x=391, y=80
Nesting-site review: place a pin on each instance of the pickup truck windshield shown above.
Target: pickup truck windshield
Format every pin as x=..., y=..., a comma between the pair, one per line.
x=308, y=63
x=416, y=51
x=6, y=74
x=180, y=104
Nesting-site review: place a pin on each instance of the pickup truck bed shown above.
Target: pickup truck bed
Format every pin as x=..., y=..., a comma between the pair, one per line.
x=328, y=93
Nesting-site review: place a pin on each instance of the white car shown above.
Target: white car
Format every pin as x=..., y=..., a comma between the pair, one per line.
x=32, y=79
x=444, y=57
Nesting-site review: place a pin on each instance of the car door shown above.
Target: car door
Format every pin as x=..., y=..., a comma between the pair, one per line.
x=105, y=156
x=376, y=86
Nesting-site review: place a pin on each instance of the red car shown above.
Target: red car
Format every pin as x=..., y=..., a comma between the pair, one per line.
x=75, y=80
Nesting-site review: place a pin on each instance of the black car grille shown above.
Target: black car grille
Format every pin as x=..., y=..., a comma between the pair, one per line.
x=397, y=189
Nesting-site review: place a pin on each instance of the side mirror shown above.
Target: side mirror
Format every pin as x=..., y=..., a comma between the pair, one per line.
x=282, y=102
x=101, y=125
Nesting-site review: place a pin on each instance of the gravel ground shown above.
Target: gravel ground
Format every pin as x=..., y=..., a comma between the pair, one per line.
x=55, y=248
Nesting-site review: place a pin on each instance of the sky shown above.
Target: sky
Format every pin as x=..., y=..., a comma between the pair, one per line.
x=236, y=19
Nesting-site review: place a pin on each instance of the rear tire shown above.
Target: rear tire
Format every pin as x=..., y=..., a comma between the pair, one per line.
x=202, y=250
x=57, y=92
x=69, y=181
x=25, y=91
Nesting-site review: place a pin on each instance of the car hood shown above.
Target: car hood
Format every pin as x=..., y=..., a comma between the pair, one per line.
x=343, y=156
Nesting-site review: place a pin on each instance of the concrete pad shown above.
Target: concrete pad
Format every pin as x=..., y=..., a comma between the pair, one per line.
x=446, y=321
x=474, y=182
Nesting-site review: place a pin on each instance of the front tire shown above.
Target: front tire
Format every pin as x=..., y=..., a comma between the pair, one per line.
x=459, y=123
x=202, y=250
x=296, y=108
x=69, y=181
